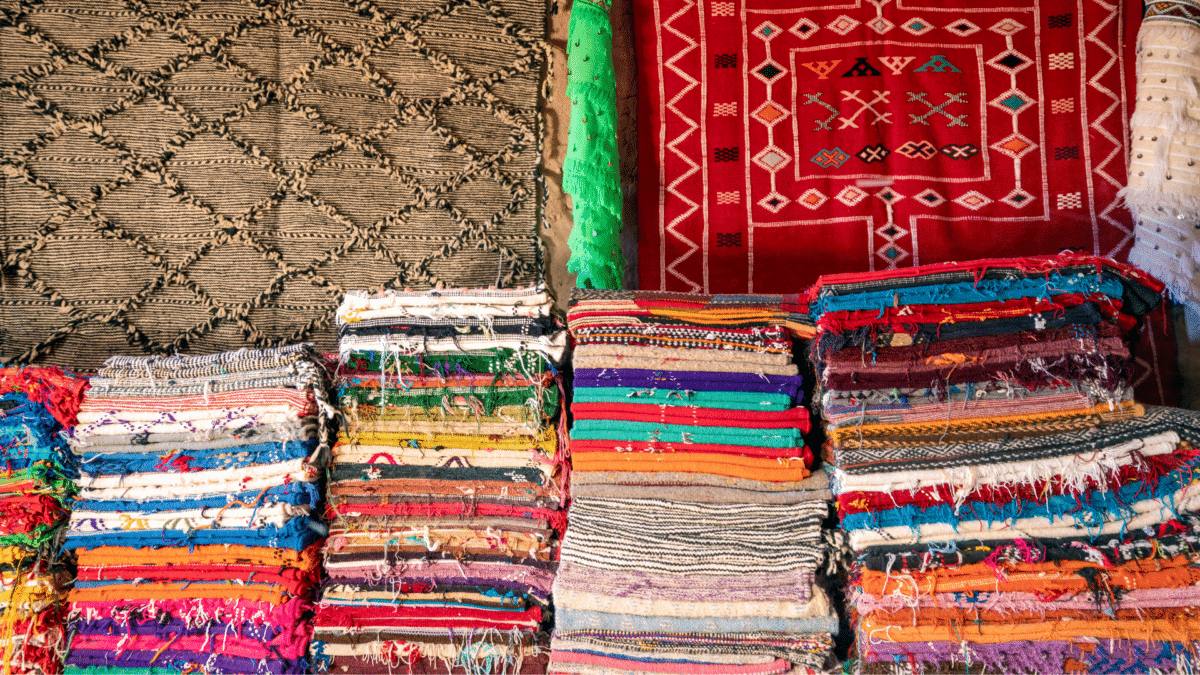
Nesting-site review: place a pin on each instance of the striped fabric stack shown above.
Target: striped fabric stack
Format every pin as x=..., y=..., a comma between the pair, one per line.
x=196, y=544
x=446, y=487
x=35, y=488
x=1013, y=510
x=695, y=536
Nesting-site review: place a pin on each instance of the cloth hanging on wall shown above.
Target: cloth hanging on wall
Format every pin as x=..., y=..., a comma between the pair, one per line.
x=1164, y=182
x=208, y=177
x=590, y=171
x=787, y=139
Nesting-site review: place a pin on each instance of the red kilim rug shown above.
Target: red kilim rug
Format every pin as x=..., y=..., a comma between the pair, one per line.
x=785, y=139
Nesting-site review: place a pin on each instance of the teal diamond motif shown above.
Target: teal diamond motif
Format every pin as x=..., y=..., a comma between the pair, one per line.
x=769, y=71
x=916, y=25
x=830, y=158
x=1014, y=102
x=891, y=253
x=766, y=30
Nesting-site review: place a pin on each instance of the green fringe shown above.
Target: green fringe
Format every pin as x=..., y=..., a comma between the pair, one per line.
x=590, y=170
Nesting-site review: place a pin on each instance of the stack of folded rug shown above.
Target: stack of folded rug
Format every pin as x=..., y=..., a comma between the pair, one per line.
x=194, y=525
x=1014, y=510
x=695, y=536
x=447, y=483
x=35, y=487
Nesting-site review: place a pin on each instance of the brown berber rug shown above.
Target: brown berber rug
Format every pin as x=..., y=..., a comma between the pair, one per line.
x=197, y=176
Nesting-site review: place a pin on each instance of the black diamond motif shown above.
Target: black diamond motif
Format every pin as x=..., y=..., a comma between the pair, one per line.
x=873, y=153
x=774, y=201
x=1011, y=61
x=963, y=27
x=805, y=28
x=769, y=71
x=931, y=198
x=1018, y=198
x=963, y=151
x=891, y=231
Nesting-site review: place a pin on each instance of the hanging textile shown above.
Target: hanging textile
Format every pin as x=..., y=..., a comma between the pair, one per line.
x=211, y=176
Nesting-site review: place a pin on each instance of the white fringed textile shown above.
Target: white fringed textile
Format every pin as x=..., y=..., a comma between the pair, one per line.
x=1164, y=168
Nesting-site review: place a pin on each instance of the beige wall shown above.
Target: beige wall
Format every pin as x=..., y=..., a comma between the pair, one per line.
x=558, y=117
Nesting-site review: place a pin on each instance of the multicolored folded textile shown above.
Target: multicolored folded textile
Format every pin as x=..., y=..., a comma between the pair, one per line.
x=35, y=493
x=1012, y=508
x=695, y=543
x=197, y=519
x=446, y=485
x=628, y=312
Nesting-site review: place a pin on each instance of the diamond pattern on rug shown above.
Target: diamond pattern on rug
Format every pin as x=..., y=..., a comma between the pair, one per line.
x=203, y=176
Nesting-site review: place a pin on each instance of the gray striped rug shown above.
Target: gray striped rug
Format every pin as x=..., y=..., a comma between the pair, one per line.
x=206, y=175
x=670, y=537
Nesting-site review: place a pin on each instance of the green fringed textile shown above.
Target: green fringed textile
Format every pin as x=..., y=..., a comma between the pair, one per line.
x=590, y=171
x=625, y=430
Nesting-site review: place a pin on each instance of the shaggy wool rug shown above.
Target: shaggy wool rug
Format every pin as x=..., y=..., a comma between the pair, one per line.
x=202, y=176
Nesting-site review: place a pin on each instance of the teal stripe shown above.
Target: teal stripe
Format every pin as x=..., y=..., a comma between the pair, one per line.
x=621, y=430
x=984, y=290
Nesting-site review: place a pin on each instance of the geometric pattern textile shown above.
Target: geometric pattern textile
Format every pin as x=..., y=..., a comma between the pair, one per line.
x=785, y=139
x=205, y=176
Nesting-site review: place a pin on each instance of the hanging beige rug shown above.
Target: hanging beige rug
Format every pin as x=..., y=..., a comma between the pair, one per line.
x=207, y=175
x=1164, y=168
